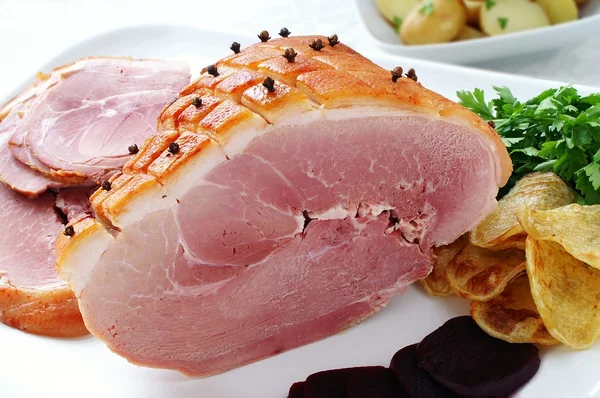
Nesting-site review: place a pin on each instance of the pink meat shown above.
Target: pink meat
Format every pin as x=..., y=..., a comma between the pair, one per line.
x=310, y=230
x=74, y=201
x=30, y=227
x=13, y=172
x=85, y=121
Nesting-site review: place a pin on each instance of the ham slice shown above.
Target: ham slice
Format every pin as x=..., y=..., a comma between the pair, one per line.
x=73, y=201
x=75, y=126
x=267, y=215
x=13, y=172
x=32, y=296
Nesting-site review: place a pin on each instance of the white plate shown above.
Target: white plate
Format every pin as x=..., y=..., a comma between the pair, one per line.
x=471, y=51
x=45, y=367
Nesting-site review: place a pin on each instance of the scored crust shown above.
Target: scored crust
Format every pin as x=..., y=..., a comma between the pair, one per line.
x=317, y=82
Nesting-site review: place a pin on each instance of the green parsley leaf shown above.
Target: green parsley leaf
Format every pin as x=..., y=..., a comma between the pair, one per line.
x=529, y=151
x=475, y=101
x=593, y=99
x=503, y=22
x=427, y=8
x=586, y=189
x=593, y=172
x=397, y=23
x=558, y=130
x=570, y=162
x=489, y=4
x=545, y=166
x=505, y=94
x=508, y=142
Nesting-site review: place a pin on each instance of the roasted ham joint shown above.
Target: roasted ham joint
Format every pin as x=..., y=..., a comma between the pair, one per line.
x=287, y=194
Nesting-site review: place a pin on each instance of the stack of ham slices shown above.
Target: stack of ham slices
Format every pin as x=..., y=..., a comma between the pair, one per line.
x=289, y=193
x=59, y=139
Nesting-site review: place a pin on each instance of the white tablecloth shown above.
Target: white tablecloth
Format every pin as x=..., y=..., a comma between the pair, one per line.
x=33, y=31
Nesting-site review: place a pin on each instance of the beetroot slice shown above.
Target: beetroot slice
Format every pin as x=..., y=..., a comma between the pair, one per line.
x=375, y=385
x=297, y=390
x=416, y=382
x=468, y=361
x=362, y=382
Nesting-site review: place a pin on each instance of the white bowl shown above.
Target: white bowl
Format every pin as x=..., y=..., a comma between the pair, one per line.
x=484, y=49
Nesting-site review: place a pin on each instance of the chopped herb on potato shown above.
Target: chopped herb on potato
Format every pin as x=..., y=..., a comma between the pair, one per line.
x=503, y=22
x=397, y=23
x=427, y=8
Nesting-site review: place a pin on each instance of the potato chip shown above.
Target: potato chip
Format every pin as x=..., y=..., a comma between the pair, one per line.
x=436, y=284
x=576, y=228
x=481, y=274
x=541, y=191
x=514, y=242
x=566, y=292
x=513, y=316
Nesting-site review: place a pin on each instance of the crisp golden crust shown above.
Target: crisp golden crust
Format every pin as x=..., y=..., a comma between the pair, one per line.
x=191, y=116
x=190, y=145
x=117, y=202
x=273, y=106
x=83, y=225
x=280, y=69
x=151, y=149
x=51, y=312
x=332, y=78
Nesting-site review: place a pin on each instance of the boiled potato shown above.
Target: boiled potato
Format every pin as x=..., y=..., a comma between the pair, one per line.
x=434, y=21
x=395, y=10
x=469, y=33
x=560, y=11
x=509, y=16
x=473, y=11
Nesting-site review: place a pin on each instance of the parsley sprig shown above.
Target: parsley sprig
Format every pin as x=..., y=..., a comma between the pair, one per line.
x=559, y=131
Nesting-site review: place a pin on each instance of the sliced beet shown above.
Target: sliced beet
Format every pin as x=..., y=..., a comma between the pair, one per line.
x=380, y=384
x=468, y=361
x=297, y=390
x=363, y=382
x=416, y=382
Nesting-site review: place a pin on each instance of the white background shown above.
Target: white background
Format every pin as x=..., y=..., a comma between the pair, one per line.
x=33, y=31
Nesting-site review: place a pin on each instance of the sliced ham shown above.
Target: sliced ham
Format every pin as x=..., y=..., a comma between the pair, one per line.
x=32, y=296
x=14, y=173
x=76, y=126
x=72, y=127
x=72, y=202
x=262, y=216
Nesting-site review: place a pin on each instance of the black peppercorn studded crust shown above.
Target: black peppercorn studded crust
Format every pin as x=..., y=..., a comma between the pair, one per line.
x=233, y=94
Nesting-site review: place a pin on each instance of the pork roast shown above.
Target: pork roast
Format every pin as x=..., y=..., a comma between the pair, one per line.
x=269, y=213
